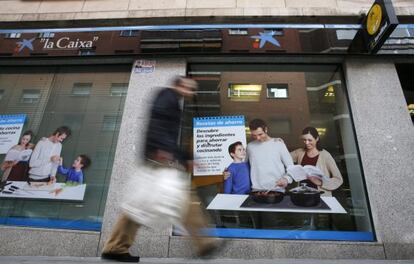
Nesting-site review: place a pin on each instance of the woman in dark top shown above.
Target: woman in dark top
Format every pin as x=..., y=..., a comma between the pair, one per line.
x=313, y=154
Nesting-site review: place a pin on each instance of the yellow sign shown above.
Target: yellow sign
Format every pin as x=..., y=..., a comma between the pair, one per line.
x=374, y=19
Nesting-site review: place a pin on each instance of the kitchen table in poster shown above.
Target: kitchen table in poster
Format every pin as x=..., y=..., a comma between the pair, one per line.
x=212, y=137
x=56, y=191
x=234, y=202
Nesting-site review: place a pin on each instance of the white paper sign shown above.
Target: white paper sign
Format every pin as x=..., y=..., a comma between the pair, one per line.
x=10, y=130
x=144, y=66
x=212, y=137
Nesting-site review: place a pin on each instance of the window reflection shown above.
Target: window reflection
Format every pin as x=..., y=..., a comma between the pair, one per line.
x=30, y=96
x=277, y=90
x=312, y=95
x=70, y=96
x=81, y=89
x=244, y=92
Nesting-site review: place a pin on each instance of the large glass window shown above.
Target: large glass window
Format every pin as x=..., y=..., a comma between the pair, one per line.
x=232, y=95
x=79, y=97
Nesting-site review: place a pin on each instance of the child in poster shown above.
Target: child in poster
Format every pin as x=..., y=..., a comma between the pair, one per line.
x=74, y=175
x=238, y=181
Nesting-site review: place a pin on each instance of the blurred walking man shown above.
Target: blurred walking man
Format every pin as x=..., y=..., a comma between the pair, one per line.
x=162, y=148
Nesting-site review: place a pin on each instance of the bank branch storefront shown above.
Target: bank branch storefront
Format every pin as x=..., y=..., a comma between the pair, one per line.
x=99, y=81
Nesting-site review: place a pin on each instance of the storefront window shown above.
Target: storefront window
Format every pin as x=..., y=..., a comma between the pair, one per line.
x=313, y=96
x=42, y=99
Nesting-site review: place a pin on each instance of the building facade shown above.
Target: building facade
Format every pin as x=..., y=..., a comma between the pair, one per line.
x=94, y=65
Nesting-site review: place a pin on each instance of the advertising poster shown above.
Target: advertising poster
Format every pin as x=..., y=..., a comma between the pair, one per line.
x=212, y=137
x=10, y=129
x=29, y=170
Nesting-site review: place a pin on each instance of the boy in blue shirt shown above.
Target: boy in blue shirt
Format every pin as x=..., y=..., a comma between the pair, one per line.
x=75, y=174
x=238, y=180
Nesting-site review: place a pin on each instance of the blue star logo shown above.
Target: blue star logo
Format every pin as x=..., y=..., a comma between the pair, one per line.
x=25, y=44
x=266, y=37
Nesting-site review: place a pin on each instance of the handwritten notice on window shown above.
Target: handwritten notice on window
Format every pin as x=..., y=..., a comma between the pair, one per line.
x=212, y=137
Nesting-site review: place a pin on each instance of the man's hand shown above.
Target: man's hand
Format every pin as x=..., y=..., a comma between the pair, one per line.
x=315, y=180
x=55, y=158
x=52, y=179
x=282, y=182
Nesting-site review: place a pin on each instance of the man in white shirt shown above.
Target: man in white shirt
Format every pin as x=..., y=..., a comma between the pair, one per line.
x=268, y=158
x=46, y=156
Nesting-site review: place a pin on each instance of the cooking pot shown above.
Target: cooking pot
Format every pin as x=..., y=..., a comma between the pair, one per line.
x=267, y=196
x=305, y=196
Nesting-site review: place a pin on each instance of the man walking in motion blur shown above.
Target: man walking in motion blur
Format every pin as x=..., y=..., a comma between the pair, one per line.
x=162, y=151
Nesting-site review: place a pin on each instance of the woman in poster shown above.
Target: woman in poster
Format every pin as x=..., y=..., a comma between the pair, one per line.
x=15, y=165
x=313, y=154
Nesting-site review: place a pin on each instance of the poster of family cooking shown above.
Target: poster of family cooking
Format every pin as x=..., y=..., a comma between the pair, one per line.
x=21, y=156
x=220, y=145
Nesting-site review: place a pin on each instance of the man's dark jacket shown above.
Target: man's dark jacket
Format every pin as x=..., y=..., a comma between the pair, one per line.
x=164, y=125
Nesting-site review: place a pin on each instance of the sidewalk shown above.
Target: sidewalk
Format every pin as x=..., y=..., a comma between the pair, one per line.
x=82, y=260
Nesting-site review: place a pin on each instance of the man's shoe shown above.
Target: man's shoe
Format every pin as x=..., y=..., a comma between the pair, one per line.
x=121, y=257
x=212, y=250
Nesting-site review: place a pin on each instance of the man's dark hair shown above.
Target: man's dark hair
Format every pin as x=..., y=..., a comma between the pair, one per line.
x=85, y=161
x=63, y=130
x=178, y=80
x=232, y=147
x=256, y=123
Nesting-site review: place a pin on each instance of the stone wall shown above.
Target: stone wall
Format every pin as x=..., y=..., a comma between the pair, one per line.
x=386, y=139
x=46, y=10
